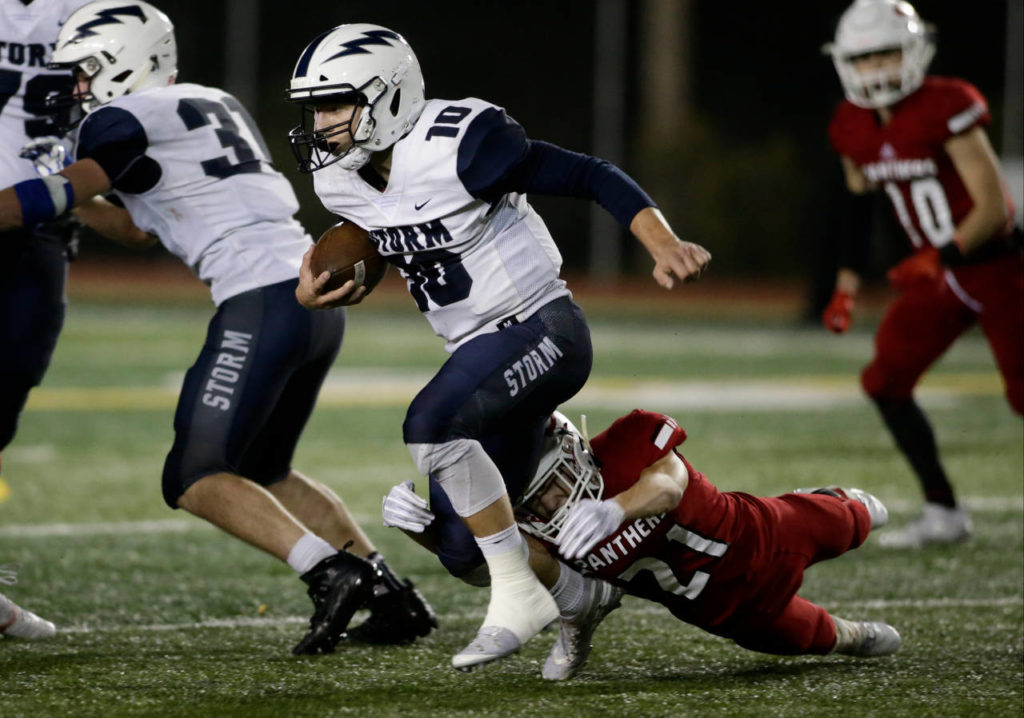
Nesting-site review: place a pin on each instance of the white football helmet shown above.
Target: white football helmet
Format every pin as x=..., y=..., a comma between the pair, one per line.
x=122, y=45
x=362, y=64
x=870, y=26
x=569, y=461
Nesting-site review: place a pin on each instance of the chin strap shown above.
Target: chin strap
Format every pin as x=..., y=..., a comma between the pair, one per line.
x=355, y=159
x=585, y=433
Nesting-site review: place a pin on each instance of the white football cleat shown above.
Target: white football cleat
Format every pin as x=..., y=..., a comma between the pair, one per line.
x=491, y=644
x=936, y=524
x=871, y=639
x=876, y=509
x=515, y=615
x=16, y=622
x=573, y=644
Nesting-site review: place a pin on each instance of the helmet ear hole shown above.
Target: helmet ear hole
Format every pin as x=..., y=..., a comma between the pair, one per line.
x=395, y=102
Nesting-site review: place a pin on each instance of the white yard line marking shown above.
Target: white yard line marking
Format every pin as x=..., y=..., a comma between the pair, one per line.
x=232, y=623
x=980, y=505
x=100, y=528
x=393, y=389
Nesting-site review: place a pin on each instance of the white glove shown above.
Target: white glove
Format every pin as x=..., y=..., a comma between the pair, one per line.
x=404, y=509
x=588, y=522
x=48, y=155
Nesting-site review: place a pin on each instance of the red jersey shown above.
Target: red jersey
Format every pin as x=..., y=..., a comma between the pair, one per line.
x=907, y=156
x=711, y=540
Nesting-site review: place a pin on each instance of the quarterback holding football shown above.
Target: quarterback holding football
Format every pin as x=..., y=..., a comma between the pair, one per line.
x=922, y=140
x=441, y=187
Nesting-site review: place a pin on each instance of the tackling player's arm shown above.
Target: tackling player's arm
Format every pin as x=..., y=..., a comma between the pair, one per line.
x=659, y=489
x=975, y=161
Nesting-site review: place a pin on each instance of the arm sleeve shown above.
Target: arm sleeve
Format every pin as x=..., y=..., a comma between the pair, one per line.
x=495, y=158
x=116, y=140
x=854, y=232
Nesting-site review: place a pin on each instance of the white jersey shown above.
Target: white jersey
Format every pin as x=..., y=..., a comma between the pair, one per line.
x=192, y=168
x=470, y=264
x=27, y=36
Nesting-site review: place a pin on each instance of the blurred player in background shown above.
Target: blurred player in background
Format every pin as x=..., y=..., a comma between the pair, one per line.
x=191, y=168
x=628, y=510
x=440, y=186
x=922, y=139
x=33, y=259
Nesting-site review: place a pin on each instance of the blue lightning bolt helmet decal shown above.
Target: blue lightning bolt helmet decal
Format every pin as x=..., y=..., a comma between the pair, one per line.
x=357, y=46
x=107, y=17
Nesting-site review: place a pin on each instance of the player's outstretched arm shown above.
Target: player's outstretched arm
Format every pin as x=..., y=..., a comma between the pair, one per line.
x=660, y=488
x=672, y=257
x=44, y=198
x=114, y=223
x=312, y=294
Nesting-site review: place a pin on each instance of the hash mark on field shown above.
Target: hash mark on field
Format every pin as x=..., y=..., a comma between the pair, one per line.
x=873, y=604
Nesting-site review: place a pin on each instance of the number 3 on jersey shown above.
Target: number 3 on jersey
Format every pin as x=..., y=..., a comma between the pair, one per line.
x=196, y=113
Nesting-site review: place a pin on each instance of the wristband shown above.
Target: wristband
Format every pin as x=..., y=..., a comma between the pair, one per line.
x=951, y=253
x=44, y=198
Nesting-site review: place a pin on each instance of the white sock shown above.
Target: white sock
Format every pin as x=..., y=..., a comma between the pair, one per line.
x=308, y=551
x=848, y=634
x=519, y=601
x=569, y=591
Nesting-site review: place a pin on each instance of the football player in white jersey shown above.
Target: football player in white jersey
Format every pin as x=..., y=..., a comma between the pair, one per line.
x=190, y=168
x=440, y=185
x=33, y=260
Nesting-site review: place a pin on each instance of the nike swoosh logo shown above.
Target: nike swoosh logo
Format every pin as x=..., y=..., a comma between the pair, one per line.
x=418, y=207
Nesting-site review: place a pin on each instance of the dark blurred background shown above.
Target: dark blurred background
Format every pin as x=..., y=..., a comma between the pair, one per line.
x=719, y=109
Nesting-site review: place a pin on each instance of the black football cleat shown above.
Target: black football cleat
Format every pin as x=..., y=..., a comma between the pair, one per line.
x=339, y=586
x=398, y=612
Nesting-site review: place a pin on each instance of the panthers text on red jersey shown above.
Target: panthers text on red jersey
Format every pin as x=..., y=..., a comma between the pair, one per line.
x=907, y=156
x=697, y=558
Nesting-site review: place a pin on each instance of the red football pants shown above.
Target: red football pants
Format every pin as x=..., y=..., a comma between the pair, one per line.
x=924, y=321
x=801, y=530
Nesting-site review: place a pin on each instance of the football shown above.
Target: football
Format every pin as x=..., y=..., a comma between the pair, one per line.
x=345, y=250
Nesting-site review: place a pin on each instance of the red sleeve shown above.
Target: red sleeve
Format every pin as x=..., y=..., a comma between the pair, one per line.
x=838, y=132
x=634, y=442
x=957, y=107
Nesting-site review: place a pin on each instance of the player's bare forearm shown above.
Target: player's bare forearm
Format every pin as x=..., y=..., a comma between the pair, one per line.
x=847, y=281
x=673, y=258
x=113, y=222
x=47, y=198
x=976, y=163
x=427, y=538
x=10, y=210
x=659, y=489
